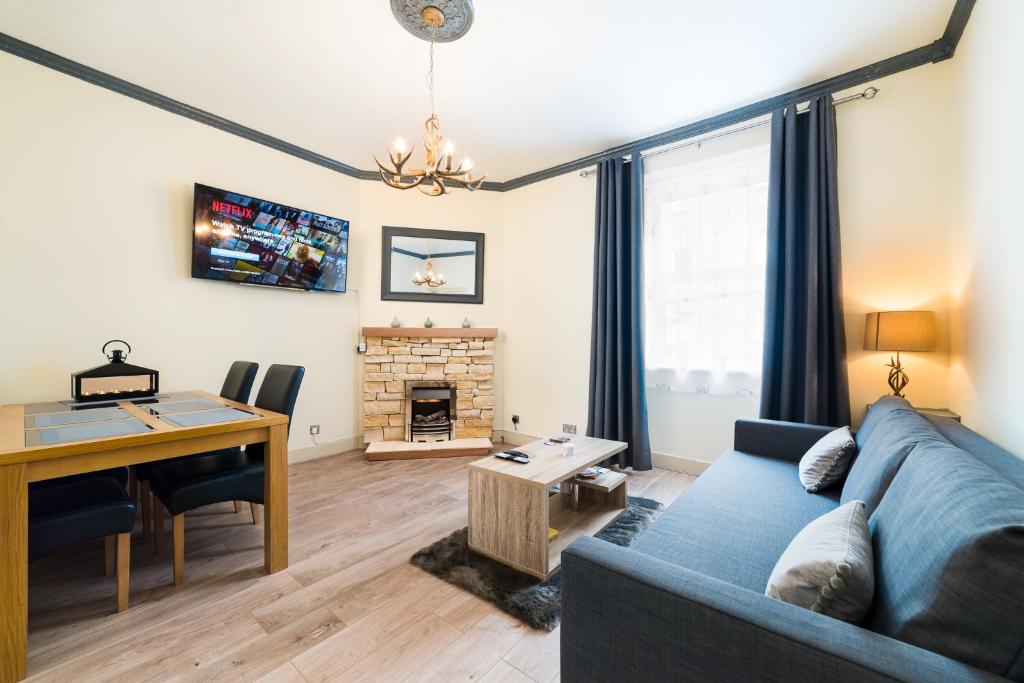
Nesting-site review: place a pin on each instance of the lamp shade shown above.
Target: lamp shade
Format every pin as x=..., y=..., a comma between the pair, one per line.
x=900, y=331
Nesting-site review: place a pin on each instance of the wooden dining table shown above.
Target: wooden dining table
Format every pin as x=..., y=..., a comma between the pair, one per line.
x=31, y=451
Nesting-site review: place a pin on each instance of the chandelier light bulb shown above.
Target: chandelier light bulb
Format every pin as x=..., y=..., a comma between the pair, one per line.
x=449, y=148
x=467, y=165
x=400, y=145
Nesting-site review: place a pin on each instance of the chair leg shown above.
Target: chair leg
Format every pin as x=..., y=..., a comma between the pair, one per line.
x=147, y=508
x=158, y=526
x=256, y=513
x=238, y=506
x=178, y=534
x=124, y=554
x=108, y=555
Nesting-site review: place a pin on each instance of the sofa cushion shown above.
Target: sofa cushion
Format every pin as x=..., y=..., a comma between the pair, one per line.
x=891, y=441
x=829, y=567
x=876, y=413
x=735, y=521
x=949, y=559
x=827, y=460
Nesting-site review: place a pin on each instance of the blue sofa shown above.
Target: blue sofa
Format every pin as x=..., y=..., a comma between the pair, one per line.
x=686, y=601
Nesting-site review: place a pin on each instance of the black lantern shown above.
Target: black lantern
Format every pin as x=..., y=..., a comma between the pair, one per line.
x=115, y=381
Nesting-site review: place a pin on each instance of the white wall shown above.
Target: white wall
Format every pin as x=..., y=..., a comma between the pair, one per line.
x=548, y=262
x=381, y=205
x=987, y=280
x=896, y=171
x=96, y=220
x=96, y=191
x=895, y=182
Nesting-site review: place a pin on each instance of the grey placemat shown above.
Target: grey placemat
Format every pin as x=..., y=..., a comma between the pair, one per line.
x=184, y=406
x=79, y=416
x=207, y=417
x=92, y=430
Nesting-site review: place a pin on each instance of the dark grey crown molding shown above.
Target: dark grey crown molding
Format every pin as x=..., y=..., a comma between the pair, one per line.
x=942, y=48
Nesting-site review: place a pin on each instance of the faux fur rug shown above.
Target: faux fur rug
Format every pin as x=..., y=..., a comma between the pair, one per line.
x=534, y=602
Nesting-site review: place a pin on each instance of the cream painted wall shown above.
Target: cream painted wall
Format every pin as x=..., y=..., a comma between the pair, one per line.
x=107, y=181
x=99, y=207
x=895, y=183
x=987, y=280
x=381, y=205
x=548, y=261
x=96, y=191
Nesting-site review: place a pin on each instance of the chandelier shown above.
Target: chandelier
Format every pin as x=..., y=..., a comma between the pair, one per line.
x=430, y=279
x=440, y=167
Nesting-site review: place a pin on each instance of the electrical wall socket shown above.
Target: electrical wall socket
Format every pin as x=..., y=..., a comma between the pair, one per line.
x=314, y=430
x=568, y=428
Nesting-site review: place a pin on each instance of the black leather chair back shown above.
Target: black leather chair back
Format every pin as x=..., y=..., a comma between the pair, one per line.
x=238, y=383
x=280, y=388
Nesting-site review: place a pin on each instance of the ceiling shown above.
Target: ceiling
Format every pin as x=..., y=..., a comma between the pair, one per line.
x=534, y=83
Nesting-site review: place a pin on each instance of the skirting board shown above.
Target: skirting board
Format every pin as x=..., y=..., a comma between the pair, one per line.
x=325, y=449
x=678, y=463
x=513, y=438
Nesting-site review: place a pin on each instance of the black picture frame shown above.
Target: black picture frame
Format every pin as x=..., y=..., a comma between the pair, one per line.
x=388, y=233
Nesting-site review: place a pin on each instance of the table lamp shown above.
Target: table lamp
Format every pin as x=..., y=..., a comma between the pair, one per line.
x=899, y=331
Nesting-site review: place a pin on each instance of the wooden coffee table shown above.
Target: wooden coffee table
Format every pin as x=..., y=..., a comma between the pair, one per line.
x=510, y=509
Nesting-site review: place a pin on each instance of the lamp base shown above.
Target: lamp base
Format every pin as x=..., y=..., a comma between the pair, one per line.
x=898, y=378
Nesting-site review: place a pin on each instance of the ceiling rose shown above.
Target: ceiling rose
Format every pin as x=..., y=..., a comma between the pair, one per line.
x=458, y=17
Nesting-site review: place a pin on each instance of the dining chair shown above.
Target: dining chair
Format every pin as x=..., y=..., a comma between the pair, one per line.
x=81, y=510
x=237, y=387
x=219, y=477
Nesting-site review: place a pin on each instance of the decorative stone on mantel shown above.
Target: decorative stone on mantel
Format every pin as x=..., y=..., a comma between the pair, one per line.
x=398, y=357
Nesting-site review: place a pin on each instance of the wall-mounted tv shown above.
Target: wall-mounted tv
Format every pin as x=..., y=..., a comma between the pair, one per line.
x=254, y=241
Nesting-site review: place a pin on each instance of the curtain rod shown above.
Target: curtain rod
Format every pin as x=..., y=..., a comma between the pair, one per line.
x=866, y=94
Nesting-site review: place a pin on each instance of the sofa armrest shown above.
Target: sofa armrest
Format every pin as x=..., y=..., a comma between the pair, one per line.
x=627, y=616
x=776, y=439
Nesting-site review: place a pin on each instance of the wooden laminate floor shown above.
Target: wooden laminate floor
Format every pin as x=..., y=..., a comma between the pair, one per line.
x=350, y=606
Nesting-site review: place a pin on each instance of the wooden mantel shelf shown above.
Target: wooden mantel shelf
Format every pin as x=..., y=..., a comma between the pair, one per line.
x=457, y=332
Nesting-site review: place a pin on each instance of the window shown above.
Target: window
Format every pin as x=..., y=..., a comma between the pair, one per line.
x=705, y=225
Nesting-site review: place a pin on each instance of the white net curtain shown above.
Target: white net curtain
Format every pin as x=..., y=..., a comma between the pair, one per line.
x=705, y=222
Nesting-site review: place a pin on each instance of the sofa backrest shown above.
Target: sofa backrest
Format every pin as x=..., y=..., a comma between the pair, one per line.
x=1001, y=460
x=895, y=429
x=948, y=537
x=876, y=413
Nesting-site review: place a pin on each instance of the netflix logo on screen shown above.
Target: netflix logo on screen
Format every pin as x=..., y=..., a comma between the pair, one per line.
x=232, y=210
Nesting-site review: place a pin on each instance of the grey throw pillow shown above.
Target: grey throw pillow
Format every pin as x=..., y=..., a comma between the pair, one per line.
x=829, y=566
x=826, y=461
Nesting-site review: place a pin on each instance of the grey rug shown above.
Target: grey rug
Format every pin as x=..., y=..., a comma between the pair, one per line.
x=534, y=602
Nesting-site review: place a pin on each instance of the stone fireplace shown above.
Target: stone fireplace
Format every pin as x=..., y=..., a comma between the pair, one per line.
x=410, y=375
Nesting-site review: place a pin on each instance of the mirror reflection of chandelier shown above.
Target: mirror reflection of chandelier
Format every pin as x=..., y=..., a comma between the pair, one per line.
x=440, y=168
x=430, y=279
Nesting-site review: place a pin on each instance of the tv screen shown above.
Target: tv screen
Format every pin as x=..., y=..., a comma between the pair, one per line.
x=244, y=239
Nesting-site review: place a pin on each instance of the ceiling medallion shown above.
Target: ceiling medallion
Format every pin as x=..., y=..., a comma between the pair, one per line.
x=439, y=155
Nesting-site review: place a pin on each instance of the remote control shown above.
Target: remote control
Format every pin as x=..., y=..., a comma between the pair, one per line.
x=517, y=456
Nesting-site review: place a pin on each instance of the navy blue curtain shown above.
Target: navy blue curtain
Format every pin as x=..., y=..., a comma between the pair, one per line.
x=804, y=374
x=618, y=398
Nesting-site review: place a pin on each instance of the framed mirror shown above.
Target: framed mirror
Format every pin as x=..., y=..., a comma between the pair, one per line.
x=446, y=266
